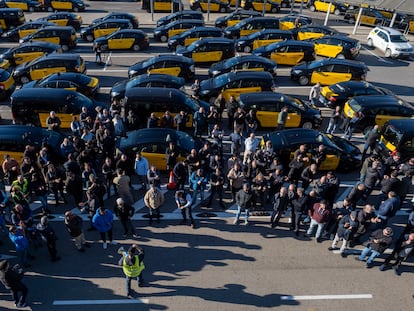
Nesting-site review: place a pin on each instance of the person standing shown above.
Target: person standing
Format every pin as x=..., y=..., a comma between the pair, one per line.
x=49, y=236
x=73, y=224
x=347, y=227
x=198, y=182
x=132, y=263
x=199, y=122
x=217, y=182
x=352, y=124
x=53, y=122
x=379, y=241
x=299, y=204
x=98, y=56
x=236, y=178
x=184, y=201
x=125, y=212
x=372, y=138
x=231, y=107
x=153, y=199
x=401, y=252
x=180, y=174
x=11, y=277
x=282, y=117
x=103, y=222
x=122, y=183
x=320, y=216
x=21, y=243
x=280, y=204
x=244, y=201
x=141, y=169
x=180, y=121
x=314, y=93
x=334, y=120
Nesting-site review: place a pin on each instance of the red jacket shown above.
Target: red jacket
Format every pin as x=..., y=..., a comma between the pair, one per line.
x=318, y=214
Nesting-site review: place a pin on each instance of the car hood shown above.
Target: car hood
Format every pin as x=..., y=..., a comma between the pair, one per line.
x=181, y=51
x=206, y=84
x=119, y=87
x=29, y=85
x=259, y=50
x=301, y=66
x=217, y=66
x=345, y=145
x=101, y=39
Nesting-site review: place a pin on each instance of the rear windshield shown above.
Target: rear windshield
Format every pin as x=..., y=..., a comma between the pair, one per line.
x=354, y=105
x=392, y=135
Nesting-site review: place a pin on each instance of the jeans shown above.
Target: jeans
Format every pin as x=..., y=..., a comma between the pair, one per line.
x=344, y=245
x=365, y=253
x=154, y=212
x=195, y=193
x=246, y=215
x=103, y=235
x=128, y=282
x=274, y=219
x=79, y=240
x=312, y=226
x=22, y=255
x=190, y=214
x=331, y=128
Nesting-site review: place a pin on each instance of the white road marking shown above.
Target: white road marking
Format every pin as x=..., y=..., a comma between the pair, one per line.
x=378, y=57
x=98, y=302
x=327, y=297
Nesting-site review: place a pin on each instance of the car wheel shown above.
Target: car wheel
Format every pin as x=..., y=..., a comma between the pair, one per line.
x=179, y=46
x=136, y=47
x=312, y=8
x=49, y=9
x=31, y=9
x=352, y=20
x=307, y=125
x=337, y=12
x=370, y=43
x=273, y=10
x=247, y=49
x=303, y=80
x=388, y=53
x=223, y=10
x=75, y=9
x=104, y=47
x=89, y=38
x=65, y=47
x=340, y=56
x=24, y=79
x=164, y=38
x=199, y=9
x=283, y=5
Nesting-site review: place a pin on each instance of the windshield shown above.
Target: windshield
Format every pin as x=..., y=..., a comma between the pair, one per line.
x=221, y=80
x=192, y=103
x=354, y=105
x=231, y=61
x=392, y=135
x=80, y=100
x=185, y=141
x=336, y=88
x=398, y=38
x=316, y=64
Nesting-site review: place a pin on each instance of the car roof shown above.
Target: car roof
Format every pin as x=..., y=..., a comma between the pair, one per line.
x=354, y=84
x=295, y=42
x=296, y=136
x=180, y=21
x=45, y=93
x=249, y=74
x=112, y=20
x=11, y=131
x=59, y=56
x=251, y=57
x=66, y=75
x=60, y=28
x=158, y=77
x=389, y=30
x=380, y=100
x=161, y=92
x=344, y=62
x=404, y=125
x=216, y=39
x=340, y=37
x=39, y=43
x=175, y=57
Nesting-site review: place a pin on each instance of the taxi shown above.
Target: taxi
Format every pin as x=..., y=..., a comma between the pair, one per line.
x=11, y=18
x=28, y=28
x=118, y=15
x=337, y=46
x=235, y=83
x=337, y=94
x=64, y=5
x=272, y=6
x=174, y=65
x=64, y=36
x=397, y=136
x=64, y=19
x=244, y=62
x=262, y=38
x=235, y=17
x=337, y=8
x=25, y=5
x=153, y=143
x=26, y=52
x=208, y=50
x=118, y=90
x=191, y=35
x=328, y=71
x=180, y=15
x=289, y=52
x=215, y=6
x=268, y=105
x=104, y=28
x=7, y=85
x=48, y=64
x=369, y=16
x=164, y=32
x=377, y=109
x=124, y=39
x=290, y=21
x=162, y=5
x=340, y=154
x=73, y=81
x=313, y=32
x=250, y=25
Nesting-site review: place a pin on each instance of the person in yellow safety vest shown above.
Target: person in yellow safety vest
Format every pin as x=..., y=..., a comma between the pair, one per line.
x=132, y=263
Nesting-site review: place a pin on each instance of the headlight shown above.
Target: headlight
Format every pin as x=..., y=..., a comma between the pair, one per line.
x=192, y=68
x=241, y=42
x=157, y=32
x=204, y=92
x=296, y=72
x=82, y=31
x=132, y=72
x=21, y=41
x=114, y=94
x=172, y=41
x=215, y=72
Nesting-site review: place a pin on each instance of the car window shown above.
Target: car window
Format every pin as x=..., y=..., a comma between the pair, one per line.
x=340, y=68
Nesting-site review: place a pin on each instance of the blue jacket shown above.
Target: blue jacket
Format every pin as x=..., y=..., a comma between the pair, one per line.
x=20, y=242
x=389, y=207
x=194, y=181
x=103, y=223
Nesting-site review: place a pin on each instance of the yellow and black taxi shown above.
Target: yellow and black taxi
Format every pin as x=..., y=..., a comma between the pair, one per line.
x=64, y=19
x=340, y=153
x=337, y=94
x=48, y=64
x=208, y=50
x=292, y=21
x=377, y=109
x=289, y=52
x=262, y=38
x=397, y=136
x=337, y=8
x=235, y=17
x=328, y=71
x=272, y=6
x=215, y=6
x=11, y=18
x=250, y=25
x=162, y=5
x=32, y=106
x=74, y=81
x=26, y=52
x=164, y=32
x=268, y=105
x=28, y=28
x=174, y=65
x=244, y=62
x=235, y=83
x=117, y=93
x=191, y=35
x=124, y=39
x=313, y=32
x=64, y=36
x=25, y=5
x=153, y=144
x=337, y=46
x=119, y=15
x=369, y=17
x=146, y=100
x=7, y=84
x=64, y=5
x=180, y=15
x=104, y=28
x=15, y=138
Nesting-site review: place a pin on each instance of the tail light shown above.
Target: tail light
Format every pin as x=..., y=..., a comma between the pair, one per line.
x=146, y=39
x=1, y=86
x=332, y=99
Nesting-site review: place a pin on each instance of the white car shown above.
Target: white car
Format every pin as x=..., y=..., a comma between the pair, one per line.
x=392, y=42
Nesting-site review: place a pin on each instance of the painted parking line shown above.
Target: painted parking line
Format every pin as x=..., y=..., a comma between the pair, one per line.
x=378, y=57
x=99, y=302
x=327, y=297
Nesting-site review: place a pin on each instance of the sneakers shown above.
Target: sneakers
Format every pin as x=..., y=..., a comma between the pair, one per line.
x=105, y=245
x=369, y=265
x=135, y=236
x=235, y=222
x=343, y=255
x=21, y=305
x=332, y=248
x=396, y=271
x=246, y=223
x=382, y=268
x=113, y=243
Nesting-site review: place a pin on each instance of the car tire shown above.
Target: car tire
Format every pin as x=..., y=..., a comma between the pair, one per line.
x=370, y=43
x=387, y=53
x=164, y=38
x=303, y=80
x=179, y=46
x=136, y=48
x=312, y=8
x=247, y=49
x=65, y=47
x=223, y=10
x=283, y=5
x=307, y=125
x=337, y=12
x=31, y=9
x=352, y=20
x=24, y=79
x=104, y=47
x=199, y=9
x=89, y=38
x=274, y=10
x=49, y=9
x=75, y=9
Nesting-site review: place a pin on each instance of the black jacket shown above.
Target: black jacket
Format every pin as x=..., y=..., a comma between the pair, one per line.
x=383, y=241
x=244, y=199
x=280, y=203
